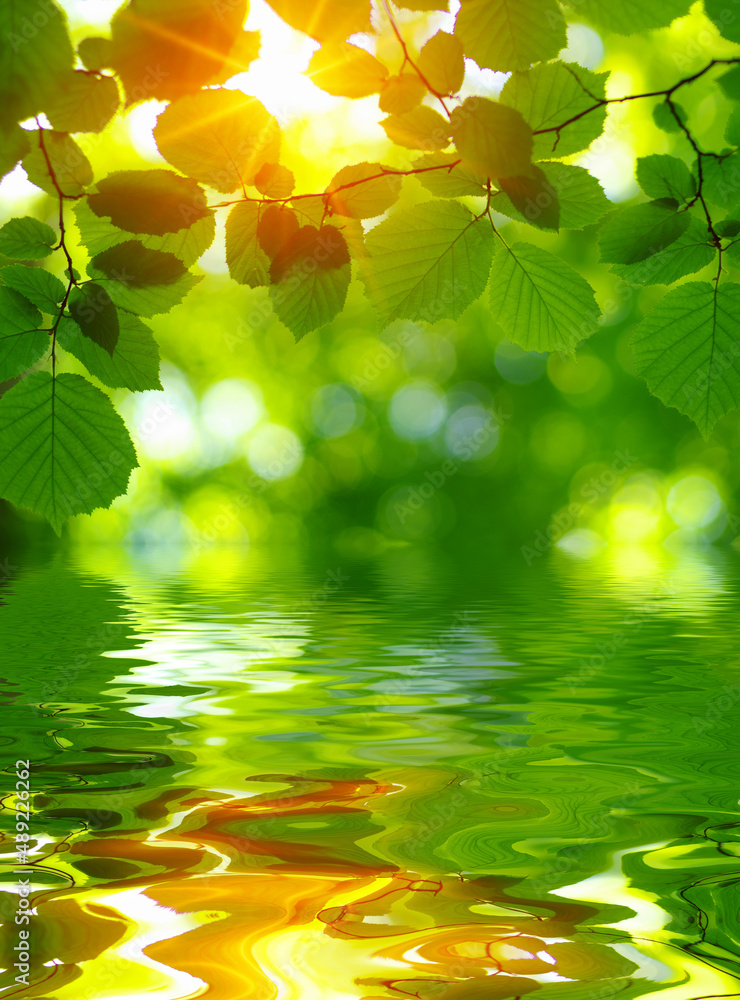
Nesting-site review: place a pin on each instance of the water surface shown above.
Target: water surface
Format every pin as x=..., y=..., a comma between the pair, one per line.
x=275, y=775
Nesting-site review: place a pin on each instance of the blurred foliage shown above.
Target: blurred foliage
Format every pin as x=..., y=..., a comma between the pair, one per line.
x=415, y=431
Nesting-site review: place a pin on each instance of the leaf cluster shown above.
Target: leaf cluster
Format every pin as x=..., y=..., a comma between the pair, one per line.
x=64, y=449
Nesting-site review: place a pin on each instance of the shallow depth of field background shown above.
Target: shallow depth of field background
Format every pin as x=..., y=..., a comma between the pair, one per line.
x=373, y=437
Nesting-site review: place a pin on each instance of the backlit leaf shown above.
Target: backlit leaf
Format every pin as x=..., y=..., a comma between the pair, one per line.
x=346, y=70
x=534, y=198
x=325, y=22
x=243, y=52
x=725, y=19
x=494, y=140
x=510, y=34
x=631, y=234
x=98, y=234
x=134, y=264
x=631, y=16
x=442, y=63
x=274, y=181
x=428, y=262
x=134, y=364
x=30, y=67
x=401, y=94
x=26, y=239
x=663, y=176
x=22, y=344
x=56, y=161
x=686, y=255
x=277, y=224
x=722, y=180
x=665, y=119
x=219, y=137
x=96, y=53
x=164, y=49
x=141, y=280
x=149, y=201
x=14, y=144
x=247, y=261
x=455, y=182
x=580, y=198
x=310, y=277
x=63, y=448
x=45, y=290
x=539, y=301
x=548, y=96
x=688, y=351
x=422, y=128
x=92, y=309
x=83, y=102
x=361, y=198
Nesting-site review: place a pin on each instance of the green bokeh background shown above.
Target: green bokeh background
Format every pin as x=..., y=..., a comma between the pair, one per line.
x=375, y=437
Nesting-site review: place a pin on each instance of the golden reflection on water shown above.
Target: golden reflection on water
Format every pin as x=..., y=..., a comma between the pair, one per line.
x=369, y=798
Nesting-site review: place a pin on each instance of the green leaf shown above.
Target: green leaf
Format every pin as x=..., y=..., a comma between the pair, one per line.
x=665, y=119
x=732, y=129
x=401, y=93
x=422, y=128
x=312, y=212
x=428, y=262
x=45, y=290
x=95, y=53
x=277, y=225
x=455, y=182
x=64, y=448
x=580, y=197
x=98, y=234
x=492, y=139
x=274, y=181
x=56, y=161
x=146, y=299
x=539, y=301
x=510, y=34
x=346, y=70
x=722, y=180
x=14, y=144
x=219, y=137
x=687, y=350
x=31, y=62
x=149, y=201
x=534, y=199
x=630, y=16
x=686, y=255
x=134, y=364
x=142, y=280
x=323, y=21
x=248, y=263
x=632, y=234
x=553, y=94
x=92, y=309
x=442, y=63
x=362, y=198
x=22, y=344
x=243, y=52
x=730, y=83
x=166, y=48
x=310, y=276
x=83, y=102
x=728, y=26
x=663, y=176
x=26, y=239
x=135, y=265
